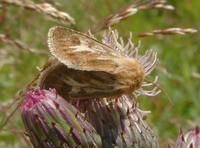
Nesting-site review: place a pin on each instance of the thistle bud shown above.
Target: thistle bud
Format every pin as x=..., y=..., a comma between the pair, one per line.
x=189, y=140
x=51, y=122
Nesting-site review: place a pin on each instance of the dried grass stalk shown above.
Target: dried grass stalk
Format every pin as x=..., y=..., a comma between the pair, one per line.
x=3, y=13
x=19, y=44
x=9, y=109
x=168, y=31
x=129, y=10
x=196, y=75
x=45, y=8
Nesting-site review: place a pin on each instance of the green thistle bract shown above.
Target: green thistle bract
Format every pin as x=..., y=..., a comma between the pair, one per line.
x=52, y=122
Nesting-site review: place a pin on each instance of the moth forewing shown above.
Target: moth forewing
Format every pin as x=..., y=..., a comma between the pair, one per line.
x=72, y=83
x=88, y=65
x=79, y=51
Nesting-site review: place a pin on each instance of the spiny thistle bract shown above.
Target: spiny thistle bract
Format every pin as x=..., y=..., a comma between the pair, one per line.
x=189, y=140
x=120, y=123
x=52, y=122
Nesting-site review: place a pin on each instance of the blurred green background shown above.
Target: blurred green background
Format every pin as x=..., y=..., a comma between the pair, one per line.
x=179, y=59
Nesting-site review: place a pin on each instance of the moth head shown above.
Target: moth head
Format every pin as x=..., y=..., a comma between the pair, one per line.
x=142, y=65
x=131, y=73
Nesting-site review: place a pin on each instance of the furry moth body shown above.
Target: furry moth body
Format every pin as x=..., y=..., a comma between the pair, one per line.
x=84, y=67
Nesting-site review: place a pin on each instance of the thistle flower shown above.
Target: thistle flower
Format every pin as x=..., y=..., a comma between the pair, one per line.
x=117, y=119
x=189, y=140
x=120, y=123
x=50, y=122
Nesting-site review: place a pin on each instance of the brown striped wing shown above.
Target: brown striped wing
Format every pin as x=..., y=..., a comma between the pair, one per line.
x=79, y=51
x=71, y=83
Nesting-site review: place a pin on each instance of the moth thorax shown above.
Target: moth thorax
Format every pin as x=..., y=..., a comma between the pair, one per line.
x=131, y=73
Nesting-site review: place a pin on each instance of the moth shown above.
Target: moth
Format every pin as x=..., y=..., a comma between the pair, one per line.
x=83, y=67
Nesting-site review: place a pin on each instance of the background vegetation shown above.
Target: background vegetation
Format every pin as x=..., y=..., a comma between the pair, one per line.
x=178, y=70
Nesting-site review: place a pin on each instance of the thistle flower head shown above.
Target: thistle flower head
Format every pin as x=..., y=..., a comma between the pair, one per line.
x=120, y=123
x=189, y=140
x=95, y=121
x=52, y=122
